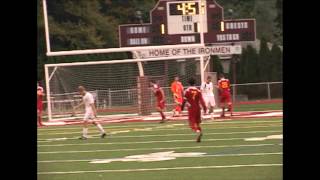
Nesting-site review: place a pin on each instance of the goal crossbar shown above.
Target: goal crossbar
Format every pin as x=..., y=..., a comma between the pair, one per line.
x=121, y=49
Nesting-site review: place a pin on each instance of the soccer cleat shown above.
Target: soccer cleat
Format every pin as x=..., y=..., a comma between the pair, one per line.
x=211, y=110
x=83, y=138
x=163, y=120
x=103, y=135
x=199, y=136
x=174, y=114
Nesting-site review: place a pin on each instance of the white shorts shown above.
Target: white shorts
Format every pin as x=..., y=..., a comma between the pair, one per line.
x=209, y=100
x=88, y=115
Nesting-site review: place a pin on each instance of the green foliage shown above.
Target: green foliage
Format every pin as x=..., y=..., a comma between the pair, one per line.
x=260, y=67
x=264, y=63
x=276, y=63
x=279, y=22
x=80, y=25
x=217, y=66
x=247, y=70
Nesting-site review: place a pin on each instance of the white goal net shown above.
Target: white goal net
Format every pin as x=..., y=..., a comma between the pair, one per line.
x=118, y=86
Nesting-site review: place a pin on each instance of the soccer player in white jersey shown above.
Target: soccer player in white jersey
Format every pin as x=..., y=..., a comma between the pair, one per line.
x=207, y=92
x=90, y=113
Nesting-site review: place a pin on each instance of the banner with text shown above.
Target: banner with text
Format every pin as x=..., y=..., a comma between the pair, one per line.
x=206, y=51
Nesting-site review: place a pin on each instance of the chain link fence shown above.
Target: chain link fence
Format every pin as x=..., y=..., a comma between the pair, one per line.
x=127, y=100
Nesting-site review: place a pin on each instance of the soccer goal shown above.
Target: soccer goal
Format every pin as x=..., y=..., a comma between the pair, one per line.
x=118, y=86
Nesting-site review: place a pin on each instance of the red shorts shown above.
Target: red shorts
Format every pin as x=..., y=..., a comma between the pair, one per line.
x=178, y=100
x=225, y=97
x=194, y=117
x=161, y=105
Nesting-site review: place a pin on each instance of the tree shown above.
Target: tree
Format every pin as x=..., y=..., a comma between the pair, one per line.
x=276, y=63
x=264, y=64
x=247, y=67
x=80, y=25
x=278, y=22
x=125, y=11
x=241, y=66
x=217, y=66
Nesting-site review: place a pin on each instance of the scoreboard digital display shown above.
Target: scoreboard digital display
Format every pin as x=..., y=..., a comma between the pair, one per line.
x=185, y=18
x=185, y=8
x=182, y=21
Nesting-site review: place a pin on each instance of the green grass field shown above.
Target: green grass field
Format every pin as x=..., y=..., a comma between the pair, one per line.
x=258, y=107
x=226, y=154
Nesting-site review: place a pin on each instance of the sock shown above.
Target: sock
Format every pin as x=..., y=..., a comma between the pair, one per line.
x=100, y=128
x=178, y=109
x=162, y=115
x=85, y=132
x=39, y=121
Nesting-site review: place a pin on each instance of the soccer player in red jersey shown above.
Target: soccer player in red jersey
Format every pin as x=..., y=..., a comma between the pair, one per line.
x=40, y=95
x=224, y=94
x=177, y=90
x=193, y=99
x=159, y=94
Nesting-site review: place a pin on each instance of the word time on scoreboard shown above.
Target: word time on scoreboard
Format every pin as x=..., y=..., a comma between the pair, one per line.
x=182, y=21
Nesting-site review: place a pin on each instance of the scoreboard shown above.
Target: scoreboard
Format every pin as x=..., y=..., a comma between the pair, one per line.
x=181, y=22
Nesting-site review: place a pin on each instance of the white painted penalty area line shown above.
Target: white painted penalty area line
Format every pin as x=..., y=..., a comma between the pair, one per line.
x=142, y=142
x=176, y=129
x=159, y=128
x=142, y=149
x=152, y=124
x=163, y=169
x=212, y=155
x=153, y=135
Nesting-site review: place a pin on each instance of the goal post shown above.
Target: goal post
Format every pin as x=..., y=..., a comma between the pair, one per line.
x=119, y=85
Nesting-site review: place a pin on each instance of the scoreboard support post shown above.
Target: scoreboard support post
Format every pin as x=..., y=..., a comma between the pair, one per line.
x=202, y=68
x=140, y=66
x=144, y=95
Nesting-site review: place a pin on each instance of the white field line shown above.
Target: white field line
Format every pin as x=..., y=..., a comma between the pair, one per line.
x=191, y=134
x=159, y=128
x=140, y=142
x=161, y=135
x=166, y=135
x=212, y=155
x=142, y=149
x=143, y=125
x=163, y=169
